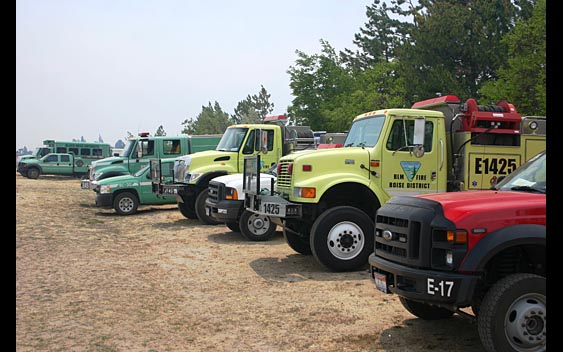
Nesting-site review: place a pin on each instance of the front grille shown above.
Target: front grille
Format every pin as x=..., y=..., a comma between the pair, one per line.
x=397, y=238
x=216, y=191
x=284, y=177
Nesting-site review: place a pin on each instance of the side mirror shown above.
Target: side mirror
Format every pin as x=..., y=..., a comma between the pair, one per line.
x=418, y=138
x=261, y=141
x=139, y=150
x=264, y=141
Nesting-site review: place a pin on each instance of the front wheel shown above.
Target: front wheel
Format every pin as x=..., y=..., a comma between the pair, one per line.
x=425, y=311
x=201, y=210
x=187, y=211
x=296, y=242
x=233, y=226
x=33, y=173
x=342, y=238
x=256, y=227
x=512, y=316
x=126, y=203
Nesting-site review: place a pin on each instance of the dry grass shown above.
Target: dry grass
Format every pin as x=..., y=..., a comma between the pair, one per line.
x=89, y=280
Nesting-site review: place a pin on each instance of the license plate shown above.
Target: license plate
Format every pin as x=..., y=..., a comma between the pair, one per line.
x=436, y=287
x=380, y=282
x=274, y=209
x=167, y=190
x=85, y=184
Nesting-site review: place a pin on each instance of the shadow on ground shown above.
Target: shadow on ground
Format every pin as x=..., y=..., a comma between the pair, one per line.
x=299, y=267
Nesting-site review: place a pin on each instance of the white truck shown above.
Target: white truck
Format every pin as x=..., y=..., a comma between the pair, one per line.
x=225, y=203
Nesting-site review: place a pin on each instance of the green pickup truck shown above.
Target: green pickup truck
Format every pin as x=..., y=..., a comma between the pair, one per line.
x=126, y=193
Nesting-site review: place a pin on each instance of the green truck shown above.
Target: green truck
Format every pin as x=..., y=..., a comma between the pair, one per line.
x=139, y=150
x=126, y=193
x=66, y=158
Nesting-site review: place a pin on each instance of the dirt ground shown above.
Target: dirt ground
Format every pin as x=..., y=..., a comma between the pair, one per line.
x=90, y=280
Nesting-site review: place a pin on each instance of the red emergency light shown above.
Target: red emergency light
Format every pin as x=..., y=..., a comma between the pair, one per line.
x=446, y=99
x=144, y=134
x=275, y=118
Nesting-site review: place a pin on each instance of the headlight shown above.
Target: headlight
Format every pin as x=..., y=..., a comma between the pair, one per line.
x=194, y=177
x=104, y=189
x=304, y=192
x=231, y=193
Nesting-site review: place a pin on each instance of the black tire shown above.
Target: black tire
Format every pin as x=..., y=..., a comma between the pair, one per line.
x=256, y=227
x=125, y=203
x=512, y=316
x=33, y=173
x=425, y=311
x=200, y=208
x=342, y=238
x=233, y=226
x=187, y=211
x=297, y=243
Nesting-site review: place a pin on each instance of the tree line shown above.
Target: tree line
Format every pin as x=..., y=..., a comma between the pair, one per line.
x=408, y=51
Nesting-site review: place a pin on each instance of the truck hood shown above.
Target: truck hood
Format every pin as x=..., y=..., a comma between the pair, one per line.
x=120, y=179
x=107, y=161
x=322, y=154
x=200, y=162
x=29, y=161
x=235, y=180
x=489, y=207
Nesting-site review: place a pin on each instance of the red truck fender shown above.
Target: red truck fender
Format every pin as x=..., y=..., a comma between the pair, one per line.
x=495, y=242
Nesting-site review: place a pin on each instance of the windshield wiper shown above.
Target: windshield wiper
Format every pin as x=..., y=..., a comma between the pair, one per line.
x=526, y=189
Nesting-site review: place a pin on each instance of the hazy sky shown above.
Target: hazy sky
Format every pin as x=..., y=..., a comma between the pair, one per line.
x=105, y=67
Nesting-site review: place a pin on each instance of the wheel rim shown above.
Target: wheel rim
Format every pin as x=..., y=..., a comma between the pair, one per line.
x=525, y=323
x=258, y=225
x=126, y=204
x=345, y=240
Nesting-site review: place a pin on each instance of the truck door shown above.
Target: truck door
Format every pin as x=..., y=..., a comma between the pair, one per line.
x=52, y=164
x=140, y=158
x=145, y=187
x=404, y=170
x=257, y=138
x=251, y=146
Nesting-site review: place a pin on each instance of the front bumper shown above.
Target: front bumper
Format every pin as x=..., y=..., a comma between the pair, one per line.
x=224, y=210
x=272, y=206
x=445, y=289
x=169, y=190
x=104, y=200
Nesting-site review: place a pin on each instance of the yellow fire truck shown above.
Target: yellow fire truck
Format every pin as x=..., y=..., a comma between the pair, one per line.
x=326, y=200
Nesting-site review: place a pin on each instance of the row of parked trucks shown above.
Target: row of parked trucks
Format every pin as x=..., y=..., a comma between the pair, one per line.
x=433, y=199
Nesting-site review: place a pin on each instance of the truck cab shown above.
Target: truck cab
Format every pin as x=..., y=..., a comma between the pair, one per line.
x=138, y=151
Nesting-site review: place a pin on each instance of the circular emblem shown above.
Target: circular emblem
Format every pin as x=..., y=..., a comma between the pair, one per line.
x=387, y=235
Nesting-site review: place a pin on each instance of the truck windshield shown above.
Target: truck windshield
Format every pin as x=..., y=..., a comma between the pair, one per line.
x=40, y=152
x=529, y=177
x=232, y=139
x=129, y=148
x=365, y=132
